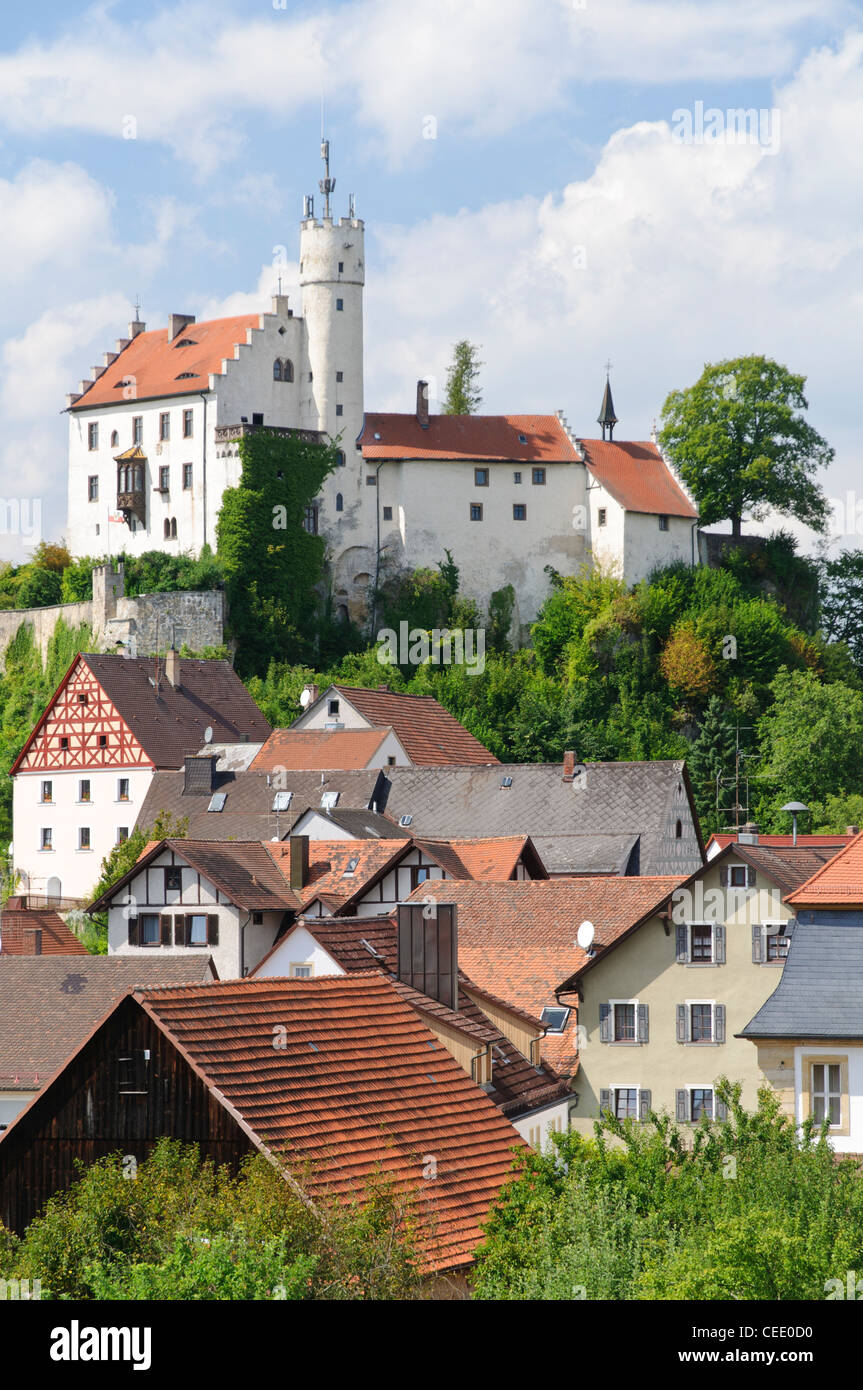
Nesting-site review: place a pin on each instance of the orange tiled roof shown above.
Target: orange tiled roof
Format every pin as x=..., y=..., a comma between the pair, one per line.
x=428, y=733
x=492, y=858
x=159, y=367
x=468, y=437
x=839, y=881
x=636, y=476
x=360, y=1082
x=518, y=939
x=329, y=860
x=780, y=841
x=312, y=750
x=18, y=928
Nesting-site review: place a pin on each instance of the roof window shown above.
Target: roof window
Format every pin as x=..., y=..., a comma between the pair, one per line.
x=555, y=1019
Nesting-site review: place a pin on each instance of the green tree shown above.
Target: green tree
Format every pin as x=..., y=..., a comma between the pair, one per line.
x=740, y=441
x=463, y=395
x=711, y=757
x=811, y=744
x=39, y=588
x=842, y=601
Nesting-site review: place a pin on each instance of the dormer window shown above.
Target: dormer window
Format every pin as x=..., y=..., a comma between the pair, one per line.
x=185, y=376
x=186, y=342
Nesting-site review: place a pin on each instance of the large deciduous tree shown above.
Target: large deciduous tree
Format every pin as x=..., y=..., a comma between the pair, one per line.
x=740, y=441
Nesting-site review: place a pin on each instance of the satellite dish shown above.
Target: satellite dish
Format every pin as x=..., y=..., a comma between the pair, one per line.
x=305, y=697
x=208, y=734
x=585, y=935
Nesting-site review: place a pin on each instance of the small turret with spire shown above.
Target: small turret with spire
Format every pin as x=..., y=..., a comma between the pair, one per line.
x=607, y=418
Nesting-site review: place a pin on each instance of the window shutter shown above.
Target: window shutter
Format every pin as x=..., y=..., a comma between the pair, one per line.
x=605, y=1023
x=644, y=1104
x=681, y=1023
x=719, y=944
x=757, y=944
x=723, y=878
x=680, y=1105
x=213, y=929
x=751, y=878
x=179, y=931
x=133, y=931
x=643, y=1029
x=682, y=943
x=720, y=1110
x=604, y=1100
x=164, y=929
x=719, y=1023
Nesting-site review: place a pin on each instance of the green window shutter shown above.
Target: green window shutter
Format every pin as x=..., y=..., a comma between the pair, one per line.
x=682, y=943
x=719, y=944
x=605, y=1023
x=604, y=1100
x=719, y=1023
x=682, y=1029
x=642, y=1031
x=680, y=1106
x=644, y=1103
x=757, y=944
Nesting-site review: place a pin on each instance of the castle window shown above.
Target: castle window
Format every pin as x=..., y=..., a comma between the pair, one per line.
x=516, y=477
x=538, y=477
x=663, y=523
x=167, y=529
x=310, y=519
x=115, y=440
x=388, y=513
x=47, y=792
x=519, y=511
x=46, y=837
x=341, y=267
x=340, y=304
x=340, y=458
x=340, y=506
x=137, y=428
x=165, y=425
x=93, y=435
x=122, y=834
x=164, y=478
x=476, y=511
x=173, y=528
x=84, y=837
x=678, y=830
x=187, y=424
x=602, y=516
x=340, y=376
x=480, y=477
x=187, y=476
x=93, y=488
x=287, y=370
x=277, y=370
x=339, y=409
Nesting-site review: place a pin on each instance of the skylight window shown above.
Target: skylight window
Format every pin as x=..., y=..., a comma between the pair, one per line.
x=555, y=1019
x=186, y=342
x=282, y=800
x=506, y=781
x=352, y=866
x=522, y=439
x=217, y=801
x=184, y=375
x=329, y=800
x=406, y=820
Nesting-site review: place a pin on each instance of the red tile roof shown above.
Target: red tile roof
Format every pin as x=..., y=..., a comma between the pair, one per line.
x=840, y=880
x=20, y=928
x=156, y=364
x=518, y=939
x=771, y=841
x=429, y=733
x=360, y=1083
x=494, y=857
x=636, y=476
x=329, y=860
x=468, y=437
x=312, y=750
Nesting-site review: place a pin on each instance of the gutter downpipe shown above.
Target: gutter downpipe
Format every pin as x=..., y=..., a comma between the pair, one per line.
x=204, y=395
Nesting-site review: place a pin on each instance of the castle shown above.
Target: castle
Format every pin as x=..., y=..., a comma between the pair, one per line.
x=153, y=444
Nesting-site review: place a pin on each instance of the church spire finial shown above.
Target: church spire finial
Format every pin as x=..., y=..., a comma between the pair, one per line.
x=606, y=417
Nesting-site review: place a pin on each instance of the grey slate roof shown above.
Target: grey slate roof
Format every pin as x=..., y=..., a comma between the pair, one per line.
x=49, y=1004
x=248, y=813
x=594, y=854
x=617, y=799
x=360, y=824
x=820, y=994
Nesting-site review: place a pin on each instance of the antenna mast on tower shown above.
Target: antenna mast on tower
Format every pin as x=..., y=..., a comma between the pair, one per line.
x=326, y=184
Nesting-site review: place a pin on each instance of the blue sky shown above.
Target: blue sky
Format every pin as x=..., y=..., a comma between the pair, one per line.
x=554, y=219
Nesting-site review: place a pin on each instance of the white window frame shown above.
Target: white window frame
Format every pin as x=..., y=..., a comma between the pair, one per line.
x=49, y=848
x=738, y=865
x=700, y=1086
x=128, y=797
x=301, y=965
x=766, y=935
x=701, y=964
x=622, y=1086
x=624, y=1042
x=85, y=849
x=711, y=1042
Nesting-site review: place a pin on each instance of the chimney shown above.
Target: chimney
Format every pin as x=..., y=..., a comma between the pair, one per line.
x=423, y=404
x=172, y=667
x=136, y=327
x=428, y=951
x=312, y=691
x=852, y=830
x=568, y=765
x=199, y=774
x=299, y=856
x=748, y=834
x=176, y=324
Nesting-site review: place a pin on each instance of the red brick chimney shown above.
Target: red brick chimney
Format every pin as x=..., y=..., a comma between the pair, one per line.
x=568, y=765
x=423, y=404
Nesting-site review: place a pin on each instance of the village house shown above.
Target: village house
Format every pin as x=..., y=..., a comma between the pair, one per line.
x=808, y=1034
x=660, y=1005
x=83, y=775
x=428, y=733
x=334, y=1079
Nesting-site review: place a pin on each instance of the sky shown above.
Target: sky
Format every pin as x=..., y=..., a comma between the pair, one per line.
x=557, y=180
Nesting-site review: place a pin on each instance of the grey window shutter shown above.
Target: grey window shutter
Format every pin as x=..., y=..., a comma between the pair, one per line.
x=682, y=943
x=720, y=1110
x=605, y=1023
x=757, y=944
x=604, y=1100
x=643, y=1030
x=680, y=1105
x=723, y=878
x=751, y=878
x=133, y=931
x=645, y=1102
x=681, y=1023
x=719, y=944
x=719, y=1023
